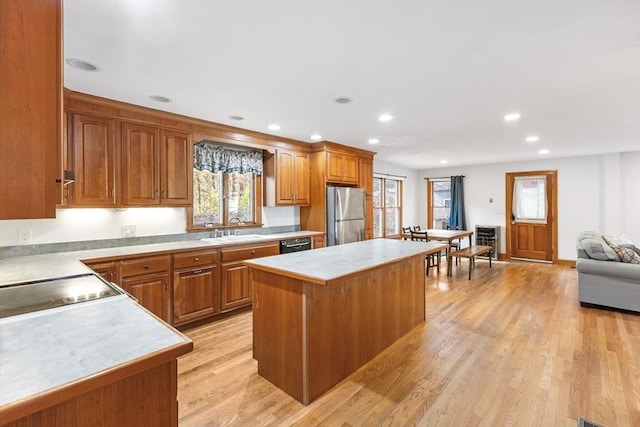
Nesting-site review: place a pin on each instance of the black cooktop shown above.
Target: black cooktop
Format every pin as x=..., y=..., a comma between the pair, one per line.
x=41, y=295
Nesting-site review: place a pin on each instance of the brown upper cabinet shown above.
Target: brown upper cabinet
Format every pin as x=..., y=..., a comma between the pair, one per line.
x=287, y=178
x=156, y=166
x=92, y=158
x=142, y=166
x=31, y=108
x=342, y=168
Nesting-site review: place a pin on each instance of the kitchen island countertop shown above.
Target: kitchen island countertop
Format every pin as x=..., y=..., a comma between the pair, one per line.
x=324, y=265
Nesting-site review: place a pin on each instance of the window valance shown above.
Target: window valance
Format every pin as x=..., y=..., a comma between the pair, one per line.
x=215, y=158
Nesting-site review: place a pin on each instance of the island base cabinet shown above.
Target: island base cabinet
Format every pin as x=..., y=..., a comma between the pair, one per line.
x=147, y=399
x=308, y=337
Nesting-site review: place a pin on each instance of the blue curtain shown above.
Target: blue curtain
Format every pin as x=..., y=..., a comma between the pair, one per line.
x=457, y=216
x=214, y=158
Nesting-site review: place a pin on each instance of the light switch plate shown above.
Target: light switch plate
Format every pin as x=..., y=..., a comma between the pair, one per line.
x=128, y=231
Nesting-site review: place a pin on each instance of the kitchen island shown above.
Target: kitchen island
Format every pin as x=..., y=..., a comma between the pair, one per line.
x=320, y=315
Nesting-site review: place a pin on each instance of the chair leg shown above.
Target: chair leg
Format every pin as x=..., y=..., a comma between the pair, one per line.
x=470, y=264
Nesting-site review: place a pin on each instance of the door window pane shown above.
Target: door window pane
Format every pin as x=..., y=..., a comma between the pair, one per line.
x=530, y=198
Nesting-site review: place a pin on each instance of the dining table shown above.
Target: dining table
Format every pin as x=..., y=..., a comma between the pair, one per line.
x=445, y=236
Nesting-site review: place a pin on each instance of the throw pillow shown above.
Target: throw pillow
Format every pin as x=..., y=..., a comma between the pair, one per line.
x=627, y=255
x=615, y=240
x=632, y=247
x=595, y=247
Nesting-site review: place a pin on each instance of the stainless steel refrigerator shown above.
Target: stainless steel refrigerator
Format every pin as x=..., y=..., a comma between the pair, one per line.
x=345, y=215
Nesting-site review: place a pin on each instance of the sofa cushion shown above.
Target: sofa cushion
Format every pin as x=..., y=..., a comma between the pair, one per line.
x=595, y=247
x=627, y=254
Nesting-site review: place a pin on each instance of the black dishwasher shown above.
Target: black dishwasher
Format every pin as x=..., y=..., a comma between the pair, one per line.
x=295, y=245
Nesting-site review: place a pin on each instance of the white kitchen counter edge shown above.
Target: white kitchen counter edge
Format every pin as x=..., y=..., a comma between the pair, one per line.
x=52, y=348
x=38, y=267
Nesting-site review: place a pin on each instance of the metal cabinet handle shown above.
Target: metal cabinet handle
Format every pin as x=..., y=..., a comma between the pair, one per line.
x=196, y=259
x=146, y=266
x=198, y=271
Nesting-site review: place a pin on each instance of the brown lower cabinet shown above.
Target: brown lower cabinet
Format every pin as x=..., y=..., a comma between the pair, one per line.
x=106, y=269
x=147, y=279
x=196, y=289
x=185, y=286
x=235, y=284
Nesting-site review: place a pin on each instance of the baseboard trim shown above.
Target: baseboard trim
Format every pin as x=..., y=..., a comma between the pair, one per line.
x=567, y=262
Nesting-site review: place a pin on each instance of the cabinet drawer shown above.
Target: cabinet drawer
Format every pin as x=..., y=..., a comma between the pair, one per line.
x=138, y=266
x=194, y=259
x=241, y=254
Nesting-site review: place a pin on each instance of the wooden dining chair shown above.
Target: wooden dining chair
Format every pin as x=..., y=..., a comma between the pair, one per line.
x=405, y=231
x=433, y=260
x=454, y=246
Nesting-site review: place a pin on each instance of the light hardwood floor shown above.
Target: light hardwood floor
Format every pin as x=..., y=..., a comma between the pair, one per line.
x=511, y=346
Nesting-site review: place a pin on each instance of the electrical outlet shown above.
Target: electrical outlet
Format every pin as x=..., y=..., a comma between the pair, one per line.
x=24, y=236
x=128, y=231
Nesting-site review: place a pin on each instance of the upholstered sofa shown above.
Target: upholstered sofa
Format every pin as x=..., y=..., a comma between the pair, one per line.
x=603, y=278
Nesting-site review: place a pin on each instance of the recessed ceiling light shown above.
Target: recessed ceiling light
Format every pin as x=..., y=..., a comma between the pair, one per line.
x=343, y=100
x=544, y=151
x=316, y=137
x=512, y=117
x=532, y=138
x=444, y=162
x=274, y=126
x=159, y=98
x=373, y=140
x=385, y=118
x=80, y=64
x=236, y=117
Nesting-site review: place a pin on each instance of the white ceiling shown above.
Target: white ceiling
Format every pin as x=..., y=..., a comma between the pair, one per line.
x=447, y=71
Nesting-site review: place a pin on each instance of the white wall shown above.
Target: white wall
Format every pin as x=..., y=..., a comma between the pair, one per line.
x=410, y=189
x=72, y=225
x=594, y=193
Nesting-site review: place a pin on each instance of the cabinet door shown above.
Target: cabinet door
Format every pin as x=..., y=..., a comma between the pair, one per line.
x=140, y=165
x=195, y=294
x=236, y=288
x=292, y=178
x=350, y=169
x=334, y=167
x=151, y=291
x=342, y=168
x=318, y=242
x=105, y=269
x=301, y=178
x=176, y=169
x=92, y=153
x=285, y=164
x=31, y=93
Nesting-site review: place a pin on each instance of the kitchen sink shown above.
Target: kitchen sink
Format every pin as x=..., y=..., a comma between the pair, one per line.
x=238, y=238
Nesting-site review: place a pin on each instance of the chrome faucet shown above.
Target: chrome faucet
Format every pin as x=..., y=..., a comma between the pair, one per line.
x=237, y=221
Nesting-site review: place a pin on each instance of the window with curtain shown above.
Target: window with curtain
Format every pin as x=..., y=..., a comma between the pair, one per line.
x=387, y=207
x=530, y=199
x=224, y=186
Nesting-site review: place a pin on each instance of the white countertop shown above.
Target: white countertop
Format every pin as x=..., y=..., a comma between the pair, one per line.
x=48, y=266
x=46, y=349
x=326, y=264
x=51, y=348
